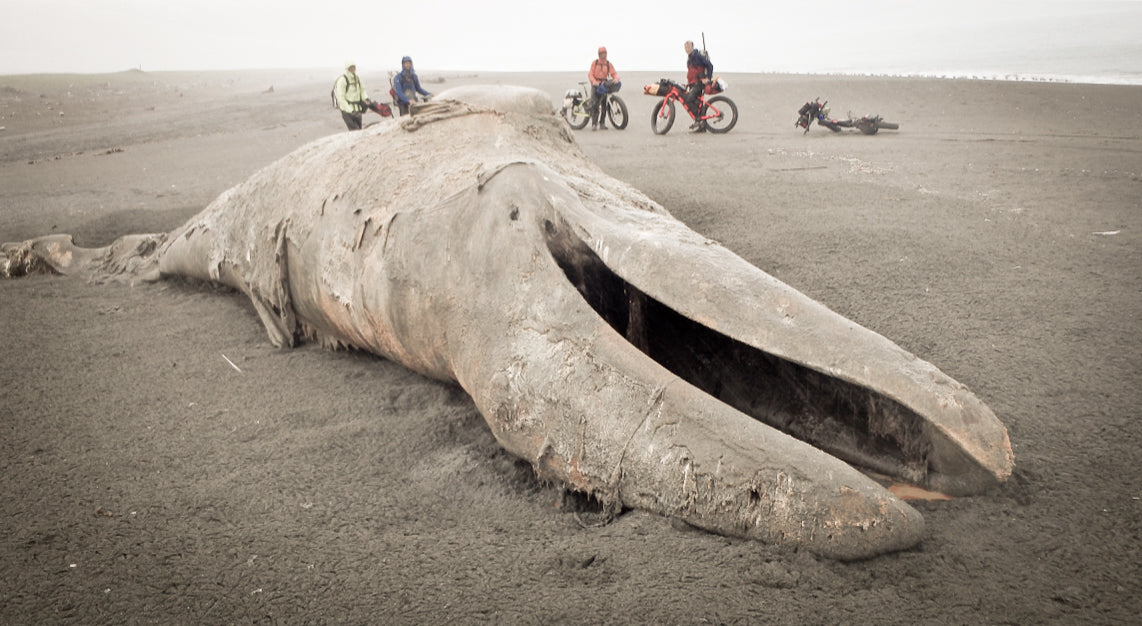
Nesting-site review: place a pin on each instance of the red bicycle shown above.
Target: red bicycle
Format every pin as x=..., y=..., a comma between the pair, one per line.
x=719, y=113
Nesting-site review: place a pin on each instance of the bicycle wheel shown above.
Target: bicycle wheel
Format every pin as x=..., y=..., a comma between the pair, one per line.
x=617, y=111
x=576, y=116
x=663, y=117
x=723, y=114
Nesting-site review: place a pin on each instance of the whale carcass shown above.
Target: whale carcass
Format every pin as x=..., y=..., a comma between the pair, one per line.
x=618, y=351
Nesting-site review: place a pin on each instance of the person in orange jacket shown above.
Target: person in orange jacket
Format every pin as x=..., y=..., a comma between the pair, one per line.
x=604, y=80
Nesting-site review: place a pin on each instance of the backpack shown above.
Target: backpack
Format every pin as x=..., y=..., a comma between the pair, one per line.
x=333, y=92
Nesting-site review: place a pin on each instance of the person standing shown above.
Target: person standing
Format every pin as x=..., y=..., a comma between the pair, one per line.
x=699, y=72
x=406, y=85
x=604, y=79
x=351, y=97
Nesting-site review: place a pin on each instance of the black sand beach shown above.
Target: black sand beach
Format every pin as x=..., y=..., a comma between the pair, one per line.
x=161, y=462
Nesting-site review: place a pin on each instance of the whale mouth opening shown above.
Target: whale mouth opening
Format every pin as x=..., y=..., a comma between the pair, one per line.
x=860, y=426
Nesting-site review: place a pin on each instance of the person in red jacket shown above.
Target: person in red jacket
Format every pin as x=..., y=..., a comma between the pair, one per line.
x=699, y=72
x=604, y=79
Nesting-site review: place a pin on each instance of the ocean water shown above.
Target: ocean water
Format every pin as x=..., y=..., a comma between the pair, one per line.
x=1097, y=63
x=1099, y=42
x=1094, y=65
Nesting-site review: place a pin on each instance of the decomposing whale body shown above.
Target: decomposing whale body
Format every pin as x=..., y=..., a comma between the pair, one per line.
x=619, y=352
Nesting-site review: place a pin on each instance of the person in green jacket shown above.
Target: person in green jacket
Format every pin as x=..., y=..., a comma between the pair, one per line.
x=351, y=97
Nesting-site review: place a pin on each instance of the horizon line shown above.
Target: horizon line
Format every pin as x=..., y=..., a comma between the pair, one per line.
x=945, y=75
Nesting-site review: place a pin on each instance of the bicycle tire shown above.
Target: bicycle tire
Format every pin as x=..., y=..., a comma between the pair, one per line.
x=615, y=105
x=661, y=124
x=728, y=117
x=576, y=116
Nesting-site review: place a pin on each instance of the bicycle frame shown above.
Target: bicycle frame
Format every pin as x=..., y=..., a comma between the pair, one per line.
x=677, y=94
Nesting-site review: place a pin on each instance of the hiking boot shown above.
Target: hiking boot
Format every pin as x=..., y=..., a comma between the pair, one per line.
x=594, y=126
x=602, y=127
x=698, y=127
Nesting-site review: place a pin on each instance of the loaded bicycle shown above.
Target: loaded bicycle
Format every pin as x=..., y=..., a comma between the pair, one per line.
x=577, y=106
x=715, y=113
x=817, y=111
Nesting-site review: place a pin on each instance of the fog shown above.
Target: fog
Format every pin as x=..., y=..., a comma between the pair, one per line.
x=875, y=36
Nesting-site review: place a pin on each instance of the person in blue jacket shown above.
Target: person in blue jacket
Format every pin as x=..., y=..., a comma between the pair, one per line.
x=406, y=84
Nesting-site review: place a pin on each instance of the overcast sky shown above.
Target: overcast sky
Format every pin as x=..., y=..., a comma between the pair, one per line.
x=491, y=35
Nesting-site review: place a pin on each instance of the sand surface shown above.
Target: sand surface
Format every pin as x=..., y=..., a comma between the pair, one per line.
x=162, y=463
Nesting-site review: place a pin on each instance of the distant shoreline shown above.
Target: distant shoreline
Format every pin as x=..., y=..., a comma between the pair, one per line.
x=1010, y=77
x=1064, y=79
